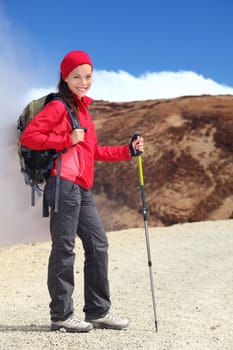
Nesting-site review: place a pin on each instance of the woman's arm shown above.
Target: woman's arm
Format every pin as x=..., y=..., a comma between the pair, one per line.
x=50, y=128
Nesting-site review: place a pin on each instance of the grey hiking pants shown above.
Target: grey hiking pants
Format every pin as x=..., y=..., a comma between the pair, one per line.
x=77, y=215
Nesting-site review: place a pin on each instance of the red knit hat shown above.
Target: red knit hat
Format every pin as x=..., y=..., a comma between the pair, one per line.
x=72, y=60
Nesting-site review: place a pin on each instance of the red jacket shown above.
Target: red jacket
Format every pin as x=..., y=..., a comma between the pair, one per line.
x=51, y=128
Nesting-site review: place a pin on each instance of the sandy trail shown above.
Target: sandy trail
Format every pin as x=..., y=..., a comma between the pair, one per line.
x=192, y=269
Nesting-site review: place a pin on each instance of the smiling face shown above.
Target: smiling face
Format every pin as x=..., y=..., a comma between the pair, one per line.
x=79, y=80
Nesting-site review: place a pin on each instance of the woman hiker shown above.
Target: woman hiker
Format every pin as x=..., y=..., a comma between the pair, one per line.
x=77, y=214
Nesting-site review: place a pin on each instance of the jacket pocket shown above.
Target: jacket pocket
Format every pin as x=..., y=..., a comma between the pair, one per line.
x=72, y=164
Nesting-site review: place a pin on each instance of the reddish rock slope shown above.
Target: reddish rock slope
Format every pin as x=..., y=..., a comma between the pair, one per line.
x=188, y=161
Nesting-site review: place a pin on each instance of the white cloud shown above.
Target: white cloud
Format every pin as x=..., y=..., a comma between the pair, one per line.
x=19, y=222
x=121, y=86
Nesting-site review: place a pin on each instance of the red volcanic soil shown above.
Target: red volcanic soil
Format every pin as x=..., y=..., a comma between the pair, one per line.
x=187, y=163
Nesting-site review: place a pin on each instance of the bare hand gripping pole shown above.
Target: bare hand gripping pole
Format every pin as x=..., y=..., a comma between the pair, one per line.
x=141, y=179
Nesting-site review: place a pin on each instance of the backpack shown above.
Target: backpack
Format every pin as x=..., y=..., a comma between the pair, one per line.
x=36, y=165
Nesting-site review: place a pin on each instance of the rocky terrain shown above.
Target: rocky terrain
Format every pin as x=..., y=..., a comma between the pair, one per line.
x=187, y=164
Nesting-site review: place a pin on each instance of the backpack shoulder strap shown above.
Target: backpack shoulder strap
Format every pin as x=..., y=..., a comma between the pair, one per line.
x=55, y=96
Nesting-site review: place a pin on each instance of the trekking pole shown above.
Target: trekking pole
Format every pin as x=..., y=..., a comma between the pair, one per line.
x=141, y=179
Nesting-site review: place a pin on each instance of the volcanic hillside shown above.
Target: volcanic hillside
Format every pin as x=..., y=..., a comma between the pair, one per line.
x=187, y=163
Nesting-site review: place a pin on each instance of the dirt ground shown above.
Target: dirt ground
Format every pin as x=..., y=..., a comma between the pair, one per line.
x=192, y=270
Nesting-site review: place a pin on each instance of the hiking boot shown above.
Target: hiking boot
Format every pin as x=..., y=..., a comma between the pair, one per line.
x=110, y=322
x=72, y=325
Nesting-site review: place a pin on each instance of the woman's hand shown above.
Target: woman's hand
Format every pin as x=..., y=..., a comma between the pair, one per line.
x=136, y=145
x=77, y=135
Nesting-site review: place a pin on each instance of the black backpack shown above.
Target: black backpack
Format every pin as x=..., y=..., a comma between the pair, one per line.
x=36, y=165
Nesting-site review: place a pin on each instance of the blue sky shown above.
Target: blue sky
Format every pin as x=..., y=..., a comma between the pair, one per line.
x=135, y=37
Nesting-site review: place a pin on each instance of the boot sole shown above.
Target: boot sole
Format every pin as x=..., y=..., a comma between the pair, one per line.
x=97, y=325
x=55, y=328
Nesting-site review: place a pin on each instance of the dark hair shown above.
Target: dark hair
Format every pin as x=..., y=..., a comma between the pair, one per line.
x=67, y=96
